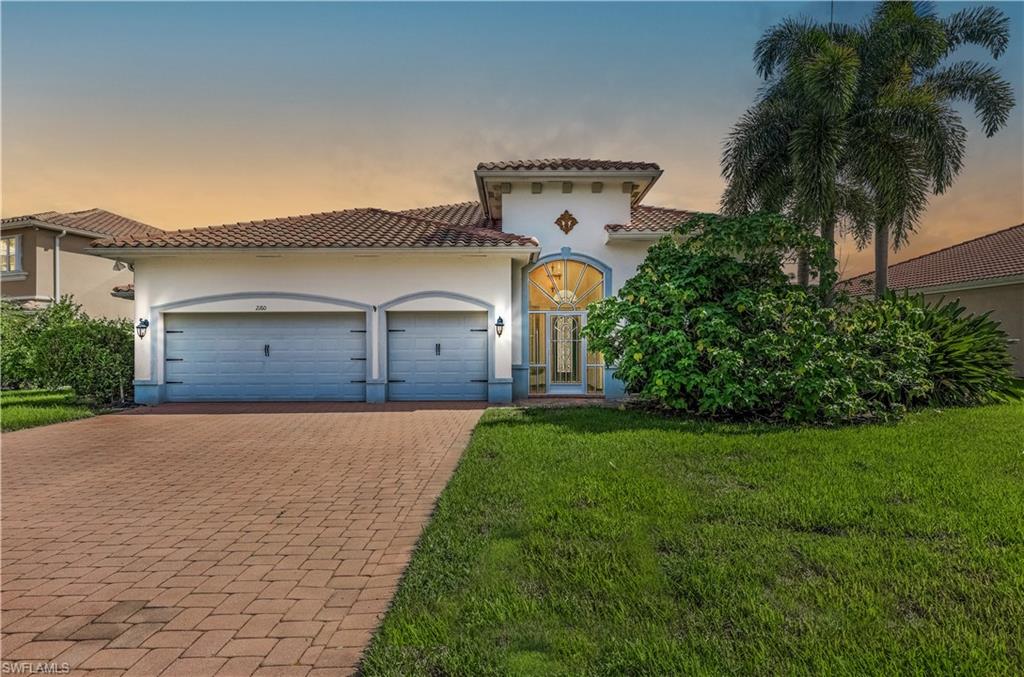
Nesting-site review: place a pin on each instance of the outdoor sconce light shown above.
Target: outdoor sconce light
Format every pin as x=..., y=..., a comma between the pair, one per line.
x=141, y=328
x=499, y=326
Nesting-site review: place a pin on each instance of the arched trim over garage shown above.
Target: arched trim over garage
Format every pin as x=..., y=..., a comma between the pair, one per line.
x=496, y=388
x=152, y=391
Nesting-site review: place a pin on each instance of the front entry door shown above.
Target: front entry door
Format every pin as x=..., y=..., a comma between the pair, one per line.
x=566, y=356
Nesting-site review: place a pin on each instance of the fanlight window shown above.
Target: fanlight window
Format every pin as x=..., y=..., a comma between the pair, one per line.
x=565, y=285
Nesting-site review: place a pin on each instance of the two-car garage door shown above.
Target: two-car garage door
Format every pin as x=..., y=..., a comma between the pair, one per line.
x=265, y=356
x=322, y=356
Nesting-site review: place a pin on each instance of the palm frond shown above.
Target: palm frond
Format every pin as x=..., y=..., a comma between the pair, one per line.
x=782, y=42
x=979, y=84
x=987, y=27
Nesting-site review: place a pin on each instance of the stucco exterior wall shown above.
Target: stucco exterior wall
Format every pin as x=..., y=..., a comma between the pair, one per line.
x=1007, y=305
x=88, y=278
x=533, y=214
x=525, y=213
x=170, y=284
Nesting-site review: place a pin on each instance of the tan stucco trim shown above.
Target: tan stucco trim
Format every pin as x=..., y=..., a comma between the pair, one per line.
x=971, y=284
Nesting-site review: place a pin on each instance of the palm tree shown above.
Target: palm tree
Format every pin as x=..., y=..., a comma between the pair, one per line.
x=815, y=150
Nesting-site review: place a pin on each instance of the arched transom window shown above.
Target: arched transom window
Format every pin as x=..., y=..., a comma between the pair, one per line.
x=565, y=285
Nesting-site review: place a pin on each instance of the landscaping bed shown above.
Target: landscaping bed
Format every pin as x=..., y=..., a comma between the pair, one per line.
x=580, y=541
x=29, y=408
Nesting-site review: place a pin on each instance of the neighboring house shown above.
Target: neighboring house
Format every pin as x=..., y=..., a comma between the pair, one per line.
x=986, y=274
x=474, y=301
x=45, y=256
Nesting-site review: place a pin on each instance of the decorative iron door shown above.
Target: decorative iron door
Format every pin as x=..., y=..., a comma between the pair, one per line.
x=566, y=365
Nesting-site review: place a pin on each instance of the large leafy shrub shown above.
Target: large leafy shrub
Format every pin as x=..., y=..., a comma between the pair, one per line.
x=15, y=346
x=60, y=346
x=968, y=359
x=711, y=324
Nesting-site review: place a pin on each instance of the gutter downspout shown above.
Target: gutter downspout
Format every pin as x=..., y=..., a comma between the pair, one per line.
x=56, y=265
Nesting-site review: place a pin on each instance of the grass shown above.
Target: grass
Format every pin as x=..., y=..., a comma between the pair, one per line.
x=596, y=541
x=30, y=408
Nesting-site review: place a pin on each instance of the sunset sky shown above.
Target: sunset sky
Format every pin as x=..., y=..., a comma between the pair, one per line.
x=182, y=115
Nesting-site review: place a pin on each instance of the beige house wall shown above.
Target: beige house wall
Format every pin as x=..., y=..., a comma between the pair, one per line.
x=1007, y=305
x=88, y=278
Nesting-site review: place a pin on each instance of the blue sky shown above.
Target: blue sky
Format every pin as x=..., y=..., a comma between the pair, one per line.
x=187, y=114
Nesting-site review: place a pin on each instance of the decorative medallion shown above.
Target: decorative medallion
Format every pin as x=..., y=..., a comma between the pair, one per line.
x=566, y=222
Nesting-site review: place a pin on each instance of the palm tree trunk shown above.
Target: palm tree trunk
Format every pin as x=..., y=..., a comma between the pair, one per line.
x=881, y=260
x=803, y=270
x=828, y=233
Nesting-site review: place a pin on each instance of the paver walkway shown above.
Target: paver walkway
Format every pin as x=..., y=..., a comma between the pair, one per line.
x=240, y=539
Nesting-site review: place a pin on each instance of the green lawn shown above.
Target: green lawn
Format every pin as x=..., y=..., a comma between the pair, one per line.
x=596, y=541
x=29, y=408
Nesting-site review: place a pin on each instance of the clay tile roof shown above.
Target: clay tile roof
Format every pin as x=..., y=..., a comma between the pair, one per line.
x=655, y=219
x=568, y=164
x=996, y=255
x=98, y=221
x=459, y=214
x=352, y=228
x=123, y=291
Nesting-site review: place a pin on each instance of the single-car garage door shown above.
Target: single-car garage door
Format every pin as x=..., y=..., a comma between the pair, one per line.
x=265, y=356
x=437, y=355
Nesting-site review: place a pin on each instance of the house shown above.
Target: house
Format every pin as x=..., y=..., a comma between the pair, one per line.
x=474, y=301
x=45, y=256
x=986, y=274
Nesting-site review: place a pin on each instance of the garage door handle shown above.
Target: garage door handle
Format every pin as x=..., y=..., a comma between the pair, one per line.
x=266, y=350
x=437, y=348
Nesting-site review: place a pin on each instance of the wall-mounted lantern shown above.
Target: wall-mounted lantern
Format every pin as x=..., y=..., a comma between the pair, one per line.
x=499, y=326
x=141, y=327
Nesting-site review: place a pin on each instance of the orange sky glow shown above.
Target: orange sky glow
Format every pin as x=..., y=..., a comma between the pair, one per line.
x=219, y=133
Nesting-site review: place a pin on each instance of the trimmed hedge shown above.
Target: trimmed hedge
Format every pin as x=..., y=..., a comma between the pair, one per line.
x=60, y=346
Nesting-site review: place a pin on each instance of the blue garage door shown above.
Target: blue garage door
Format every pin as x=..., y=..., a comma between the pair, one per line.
x=437, y=356
x=265, y=356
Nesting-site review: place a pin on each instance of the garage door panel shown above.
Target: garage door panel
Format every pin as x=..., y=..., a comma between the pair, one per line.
x=220, y=356
x=415, y=369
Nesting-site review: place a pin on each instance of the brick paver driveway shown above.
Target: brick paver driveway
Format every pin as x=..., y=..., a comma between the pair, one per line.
x=216, y=539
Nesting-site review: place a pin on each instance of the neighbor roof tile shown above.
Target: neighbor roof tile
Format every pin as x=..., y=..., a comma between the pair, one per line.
x=98, y=221
x=996, y=255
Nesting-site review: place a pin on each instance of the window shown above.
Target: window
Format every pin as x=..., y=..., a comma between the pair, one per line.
x=10, y=254
x=565, y=285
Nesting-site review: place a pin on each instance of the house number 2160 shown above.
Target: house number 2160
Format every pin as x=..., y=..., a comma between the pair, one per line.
x=261, y=307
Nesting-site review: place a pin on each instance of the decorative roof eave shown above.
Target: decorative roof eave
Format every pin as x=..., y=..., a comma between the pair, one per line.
x=637, y=235
x=130, y=253
x=32, y=222
x=866, y=286
x=650, y=175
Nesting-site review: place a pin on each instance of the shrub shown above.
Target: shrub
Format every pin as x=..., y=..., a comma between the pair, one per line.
x=15, y=346
x=711, y=324
x=60, y=346
x=968, y=359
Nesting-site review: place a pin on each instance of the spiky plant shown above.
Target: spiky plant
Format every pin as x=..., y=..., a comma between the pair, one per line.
x=969, y=362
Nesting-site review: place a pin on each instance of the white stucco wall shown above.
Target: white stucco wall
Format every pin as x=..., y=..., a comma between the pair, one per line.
x=374, y=280
x=527, y=213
